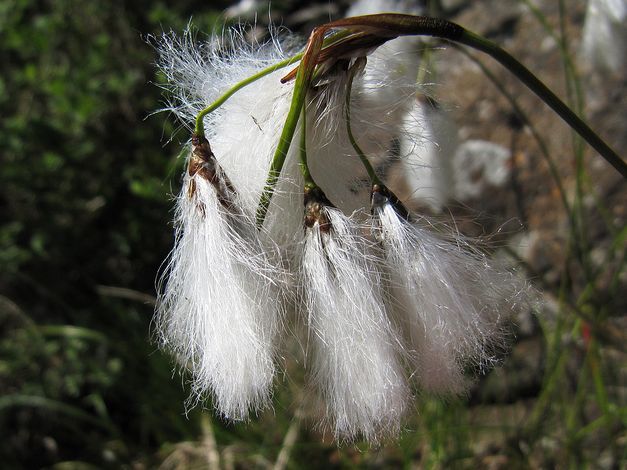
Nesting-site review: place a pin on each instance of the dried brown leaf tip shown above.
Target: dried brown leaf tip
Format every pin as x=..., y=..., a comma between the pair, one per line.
x=362, y=34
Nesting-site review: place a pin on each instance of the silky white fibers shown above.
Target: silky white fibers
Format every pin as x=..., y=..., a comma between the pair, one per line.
x=244, y=131
x=355, y=347
x=453, y=304
x=423, y=175
x=604, y=42
x=219, y=310
x=380, y=97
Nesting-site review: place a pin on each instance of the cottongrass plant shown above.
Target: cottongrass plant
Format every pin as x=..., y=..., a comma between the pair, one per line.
x=372, y=304
x=297, y=217
x=218, y=311
x=604, y=41
x=356, y=362
x=453, y=303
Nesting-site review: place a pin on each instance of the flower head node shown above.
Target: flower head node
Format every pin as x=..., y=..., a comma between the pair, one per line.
x=381, y=195
x=315, y=201
x=203, y=164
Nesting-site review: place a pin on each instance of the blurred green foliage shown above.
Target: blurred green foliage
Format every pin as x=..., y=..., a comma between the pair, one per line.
x=85, y=184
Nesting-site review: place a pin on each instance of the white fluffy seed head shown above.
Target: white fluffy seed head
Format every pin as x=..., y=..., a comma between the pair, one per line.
x=451, y=301
x=423, y=175
x=604, y=42
x=380, y=97
x=218, y=309
x=244, y=131
x=355, y=346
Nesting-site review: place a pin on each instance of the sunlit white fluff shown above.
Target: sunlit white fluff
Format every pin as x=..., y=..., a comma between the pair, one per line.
x=355, y=362
x=244, y=132
x=423, y=175
x=381, y=95
x=604, y=42
x=219, y=311
x=453, y=304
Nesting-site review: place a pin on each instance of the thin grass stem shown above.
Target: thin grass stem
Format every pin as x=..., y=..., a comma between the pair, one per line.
x=304, y=167
x=199, y=129
x=301, y=86
x=347, y=110
x=542, y=91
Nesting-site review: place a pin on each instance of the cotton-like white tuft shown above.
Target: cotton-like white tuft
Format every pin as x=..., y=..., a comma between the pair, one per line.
x=198, y=72
x=355, y=362
x=219, y=310
x=381, y=95
x=451, y=301
x=244, y=132
x=604, y=42
x=423, y=176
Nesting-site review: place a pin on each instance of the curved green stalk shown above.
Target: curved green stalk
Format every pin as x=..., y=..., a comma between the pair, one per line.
x=304, y=167
x=199, y=128
x=301, y=86
x=364, y=160
x=542, y=91
x=298, y=100
x=393, y=25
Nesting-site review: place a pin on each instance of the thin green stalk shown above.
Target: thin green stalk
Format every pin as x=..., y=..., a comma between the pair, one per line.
x=599, y=423
x=572, y=421
x=364, y=160
x=199, y=128
x=426, y=56
x=70, y=331
x=570, y=68
x=298, y=100
x=556, y=359
x=574, y=98
x=540, y=89
x=301, y=86
x=597, y=377
x=304, y=167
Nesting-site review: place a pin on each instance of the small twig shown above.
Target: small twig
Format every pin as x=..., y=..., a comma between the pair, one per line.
x=289, y=440
x=125, y=293
x=209, y=443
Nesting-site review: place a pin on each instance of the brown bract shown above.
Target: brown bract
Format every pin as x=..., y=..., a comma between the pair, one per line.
x=204, y=164
x=315, y=201
x=366, y=33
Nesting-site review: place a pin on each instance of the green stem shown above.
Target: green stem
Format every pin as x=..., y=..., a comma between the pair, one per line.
x=304, y=167
x=301, y=86
x=280, y=154
x=364, y=160
x=540, y=89
x=199, y=128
